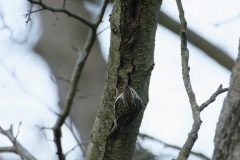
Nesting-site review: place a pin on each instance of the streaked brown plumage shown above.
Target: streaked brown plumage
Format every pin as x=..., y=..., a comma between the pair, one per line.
x=126, y=108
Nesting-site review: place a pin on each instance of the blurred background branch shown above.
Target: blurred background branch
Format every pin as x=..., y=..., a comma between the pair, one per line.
x=202, y=43
x=17, y=147
x=78, y=67
x=200, y=155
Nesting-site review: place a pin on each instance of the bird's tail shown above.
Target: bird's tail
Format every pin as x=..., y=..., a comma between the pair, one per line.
x=112, y=132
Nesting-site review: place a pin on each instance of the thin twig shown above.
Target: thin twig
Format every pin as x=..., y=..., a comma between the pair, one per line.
x=227, y=21
x=42, y=127
x=74, y=48
x=63, y=79
x=28, y=16
x=79, y=51
x=17, y=132
x=173, y=146
x=82, y=97
x=102, y=30
x=67, y=12
x=30, y=12
x=64, y=3
x=213, y=97
x=101, y=13
x=59, y=78
x=23, y=153
x=55, y=19
x=71, y=149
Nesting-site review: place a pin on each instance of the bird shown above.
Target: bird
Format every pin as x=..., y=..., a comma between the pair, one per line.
x=127, y=107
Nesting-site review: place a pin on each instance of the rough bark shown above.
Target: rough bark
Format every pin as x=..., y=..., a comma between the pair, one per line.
x=133, y=28
x=227, y=141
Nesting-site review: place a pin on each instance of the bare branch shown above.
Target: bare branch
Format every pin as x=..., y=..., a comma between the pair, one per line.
x=82, y=97
x=213, y=97
x=55, y=19
x=65, y=112
x=78, y=67
x=62, y=79
x=185, y=58
x=28, y=15
x=71, y=150
x=57, y=139
x=18, y=147
x=173, y=146
x=64, y=3
x=8, y=149
x=42, y=127
x=101, y=13
x=74, y=48
x=227, y=21
x=59, y=78
x=67, y=12
x=72, y=91
x=17, y=132
x=193, y=135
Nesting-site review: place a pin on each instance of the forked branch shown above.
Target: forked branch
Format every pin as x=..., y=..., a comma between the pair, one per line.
x=213, y=97
x=193, y=135
x=17, y=147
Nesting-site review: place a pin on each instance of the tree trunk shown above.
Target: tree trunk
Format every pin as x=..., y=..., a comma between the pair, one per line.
x=227, y=142
x=133, y=28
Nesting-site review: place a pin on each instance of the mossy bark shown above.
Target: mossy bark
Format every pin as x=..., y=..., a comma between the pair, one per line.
x=133, y=28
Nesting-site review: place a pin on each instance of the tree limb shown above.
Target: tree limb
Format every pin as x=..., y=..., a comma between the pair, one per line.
x=193, y=135
x=213, y=97
x=8, y=149
x=19, y=149
x=74, y=81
